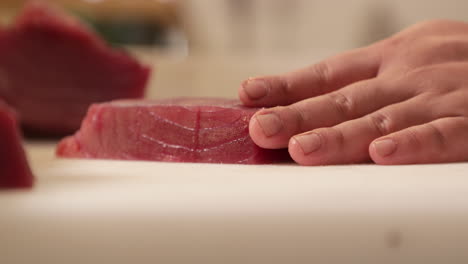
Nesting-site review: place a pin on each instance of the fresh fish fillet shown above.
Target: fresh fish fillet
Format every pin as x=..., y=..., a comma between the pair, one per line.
x=52, y=68
x=14, y=168
x=181, y=130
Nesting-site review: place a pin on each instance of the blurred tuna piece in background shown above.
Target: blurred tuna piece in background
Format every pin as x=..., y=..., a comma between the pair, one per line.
x=52, y=67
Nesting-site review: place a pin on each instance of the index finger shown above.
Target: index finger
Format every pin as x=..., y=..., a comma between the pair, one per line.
x=320, y=78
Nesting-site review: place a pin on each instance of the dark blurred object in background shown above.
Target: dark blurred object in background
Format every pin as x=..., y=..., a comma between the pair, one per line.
x=121, y=22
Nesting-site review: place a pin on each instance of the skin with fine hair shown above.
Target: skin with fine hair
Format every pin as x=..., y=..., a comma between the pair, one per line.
x=402, y=100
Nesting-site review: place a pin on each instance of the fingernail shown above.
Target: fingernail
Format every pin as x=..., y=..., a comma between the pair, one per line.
x=308, y=142
x=270, y=123
x=255, y=88
x=385, y=147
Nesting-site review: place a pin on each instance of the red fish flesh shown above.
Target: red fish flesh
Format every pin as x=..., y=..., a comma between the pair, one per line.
x=52, y=68
x=181, y=130
x=14, y=168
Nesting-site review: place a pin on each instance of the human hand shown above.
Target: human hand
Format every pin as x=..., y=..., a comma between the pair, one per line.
x=403, y=100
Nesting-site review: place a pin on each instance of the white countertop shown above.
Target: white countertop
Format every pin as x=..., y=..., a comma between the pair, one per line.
x=84, y=211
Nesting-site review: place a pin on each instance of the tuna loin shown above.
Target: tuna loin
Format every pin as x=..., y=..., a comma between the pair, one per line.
x=14, y=168
x=181, y=129
x=52, y=68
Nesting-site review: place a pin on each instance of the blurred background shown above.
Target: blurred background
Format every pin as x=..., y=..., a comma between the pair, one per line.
x=207, y=47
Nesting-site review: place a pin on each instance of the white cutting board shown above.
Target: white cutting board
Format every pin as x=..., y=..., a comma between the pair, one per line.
x=148, y=212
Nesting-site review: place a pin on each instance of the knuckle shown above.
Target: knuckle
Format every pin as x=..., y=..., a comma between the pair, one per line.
x=446, y=102
x=301, y=117
x=322, y=73
x=342, y=104
x=338, y=136
x=429, y=134
x=282, y=85
x=331, y=135
x=437, y=136
x=434, y=87
x=422, y=80
x=413, y=136
x=381, y=123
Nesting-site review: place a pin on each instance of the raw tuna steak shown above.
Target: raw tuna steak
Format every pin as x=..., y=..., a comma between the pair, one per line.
x=52, y=68
x=14, y=168
x=181, y=130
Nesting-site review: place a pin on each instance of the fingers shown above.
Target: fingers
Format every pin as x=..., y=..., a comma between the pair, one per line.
x=443, y=140
x=348, y=142
x=272, y=128
x=321, y=78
